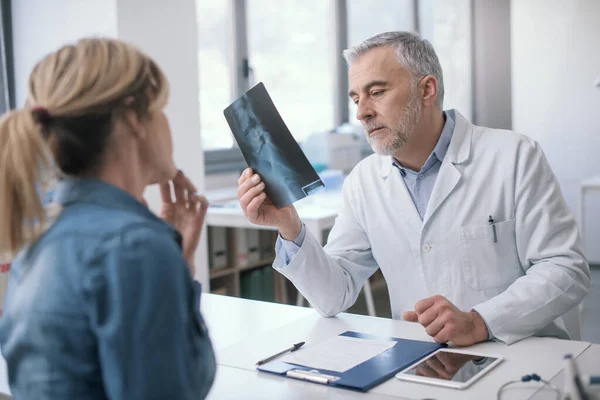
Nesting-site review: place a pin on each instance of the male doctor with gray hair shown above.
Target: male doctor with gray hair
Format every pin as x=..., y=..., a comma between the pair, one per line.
x=468, y=224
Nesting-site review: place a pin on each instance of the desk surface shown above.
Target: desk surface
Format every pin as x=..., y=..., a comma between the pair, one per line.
x=237, y=375
x=243, y=331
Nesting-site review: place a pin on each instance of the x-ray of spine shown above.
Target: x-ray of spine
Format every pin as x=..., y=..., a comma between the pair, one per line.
x=270, y=149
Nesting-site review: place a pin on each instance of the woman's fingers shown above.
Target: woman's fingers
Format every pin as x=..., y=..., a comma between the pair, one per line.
x=165, y=193
x=198, y=205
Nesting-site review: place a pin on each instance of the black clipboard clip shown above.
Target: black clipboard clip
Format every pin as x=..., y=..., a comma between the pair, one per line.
x=312, y=375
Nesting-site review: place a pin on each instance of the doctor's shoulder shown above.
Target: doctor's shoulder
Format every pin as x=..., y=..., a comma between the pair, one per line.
x=369, y=166
x=503, y=141
x=363, y=176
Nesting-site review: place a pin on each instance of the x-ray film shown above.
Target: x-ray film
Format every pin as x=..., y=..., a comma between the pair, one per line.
x=270, y=149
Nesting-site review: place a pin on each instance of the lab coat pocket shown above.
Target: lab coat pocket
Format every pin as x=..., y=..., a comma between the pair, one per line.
x=486, y=263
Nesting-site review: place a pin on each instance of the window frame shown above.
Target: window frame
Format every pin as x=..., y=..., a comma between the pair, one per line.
x=227, y=160
x=6, y=54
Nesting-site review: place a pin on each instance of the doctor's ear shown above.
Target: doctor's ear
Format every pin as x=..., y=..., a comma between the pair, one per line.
x=428, y=90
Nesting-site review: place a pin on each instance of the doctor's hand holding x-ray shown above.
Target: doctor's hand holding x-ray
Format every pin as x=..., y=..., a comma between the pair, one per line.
x=467, y=224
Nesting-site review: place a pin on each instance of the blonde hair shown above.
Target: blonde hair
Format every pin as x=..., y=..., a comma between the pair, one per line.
x=75, y=96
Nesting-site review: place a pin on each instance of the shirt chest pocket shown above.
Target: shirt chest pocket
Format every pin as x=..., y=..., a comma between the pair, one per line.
x=489, y=259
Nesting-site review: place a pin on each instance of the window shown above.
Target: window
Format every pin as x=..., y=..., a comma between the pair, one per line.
x=290, y=51
x=447, y=25
x=293, y=48
x=367, y=18
x=4, y=81
x=214, y=65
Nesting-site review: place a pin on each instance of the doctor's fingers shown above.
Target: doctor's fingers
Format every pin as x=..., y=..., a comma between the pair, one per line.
x=410, y=316
x=251, y=194
x=436, y=326
x=428, y=316
x=247, y=184
x=252, y=211
x=245, y=175
x=447, y=334
x=425, y=304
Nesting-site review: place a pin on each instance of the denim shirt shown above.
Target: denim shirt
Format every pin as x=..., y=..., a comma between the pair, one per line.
x=102, y=306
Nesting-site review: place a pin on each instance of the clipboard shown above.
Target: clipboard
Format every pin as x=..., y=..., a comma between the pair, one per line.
x=365, y=375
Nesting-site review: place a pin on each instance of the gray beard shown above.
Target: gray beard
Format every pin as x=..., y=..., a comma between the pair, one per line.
x=387, y=143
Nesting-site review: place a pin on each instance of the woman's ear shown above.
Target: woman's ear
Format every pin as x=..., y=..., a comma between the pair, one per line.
x=134, y=124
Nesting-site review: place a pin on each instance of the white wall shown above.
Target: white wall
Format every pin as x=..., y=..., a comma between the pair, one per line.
x=167, y=31
x=42, y=26
x=491, y=59
x=555, y=62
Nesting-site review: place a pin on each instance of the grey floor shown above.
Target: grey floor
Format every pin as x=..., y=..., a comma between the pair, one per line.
x=590, y=327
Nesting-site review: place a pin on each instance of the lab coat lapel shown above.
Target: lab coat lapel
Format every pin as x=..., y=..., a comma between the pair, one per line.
x=449, y=176
x=396, y=190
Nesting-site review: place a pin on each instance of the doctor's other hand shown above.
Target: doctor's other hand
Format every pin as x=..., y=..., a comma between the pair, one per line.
x=446, y=323
x=186, y=212
x=260, y=210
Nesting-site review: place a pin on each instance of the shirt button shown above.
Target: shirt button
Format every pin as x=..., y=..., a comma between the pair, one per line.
x=426, y=248
x=420, y=177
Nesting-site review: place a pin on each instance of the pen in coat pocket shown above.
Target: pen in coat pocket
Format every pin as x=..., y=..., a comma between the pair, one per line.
x=491, y=221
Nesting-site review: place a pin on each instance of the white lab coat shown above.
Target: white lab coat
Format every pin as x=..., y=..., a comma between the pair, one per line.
x=521, y=285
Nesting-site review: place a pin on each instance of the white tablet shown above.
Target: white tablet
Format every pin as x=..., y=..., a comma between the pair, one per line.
x=452, y=368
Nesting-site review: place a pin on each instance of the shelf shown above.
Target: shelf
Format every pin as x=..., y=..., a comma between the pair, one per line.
x=258, y=263
x=219, y=272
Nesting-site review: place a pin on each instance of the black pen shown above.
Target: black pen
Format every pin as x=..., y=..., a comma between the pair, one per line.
x=491, y=221
x=274, y=356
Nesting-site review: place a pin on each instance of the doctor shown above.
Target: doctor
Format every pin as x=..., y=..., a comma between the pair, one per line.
x=467, y=223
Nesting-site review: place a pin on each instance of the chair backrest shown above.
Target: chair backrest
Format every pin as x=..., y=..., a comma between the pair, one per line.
x=572, y=320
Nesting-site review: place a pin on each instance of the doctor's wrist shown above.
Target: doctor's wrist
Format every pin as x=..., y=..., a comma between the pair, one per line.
x=480, y=330
x=291, y=230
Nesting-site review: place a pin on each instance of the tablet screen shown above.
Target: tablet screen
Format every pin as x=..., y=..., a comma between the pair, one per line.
x=451, y=366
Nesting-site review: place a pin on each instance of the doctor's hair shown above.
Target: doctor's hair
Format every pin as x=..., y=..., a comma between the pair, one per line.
x=75, y=96
x=414, y=53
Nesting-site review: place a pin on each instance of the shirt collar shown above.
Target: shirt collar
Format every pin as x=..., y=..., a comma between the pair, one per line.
x=94, y=191
x=441, y=148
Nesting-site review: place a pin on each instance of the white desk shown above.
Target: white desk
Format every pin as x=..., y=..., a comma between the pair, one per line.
x=588, y=362
x=243, y=331
x=318, y=212
x=237, y=377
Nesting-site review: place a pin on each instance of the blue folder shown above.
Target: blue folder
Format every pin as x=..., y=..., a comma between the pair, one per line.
x=363, y=376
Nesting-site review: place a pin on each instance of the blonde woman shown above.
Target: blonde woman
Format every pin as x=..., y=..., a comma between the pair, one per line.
x=100, y=303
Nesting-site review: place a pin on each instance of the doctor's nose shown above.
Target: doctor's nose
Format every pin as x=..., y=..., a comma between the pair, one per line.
x=364, y=111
